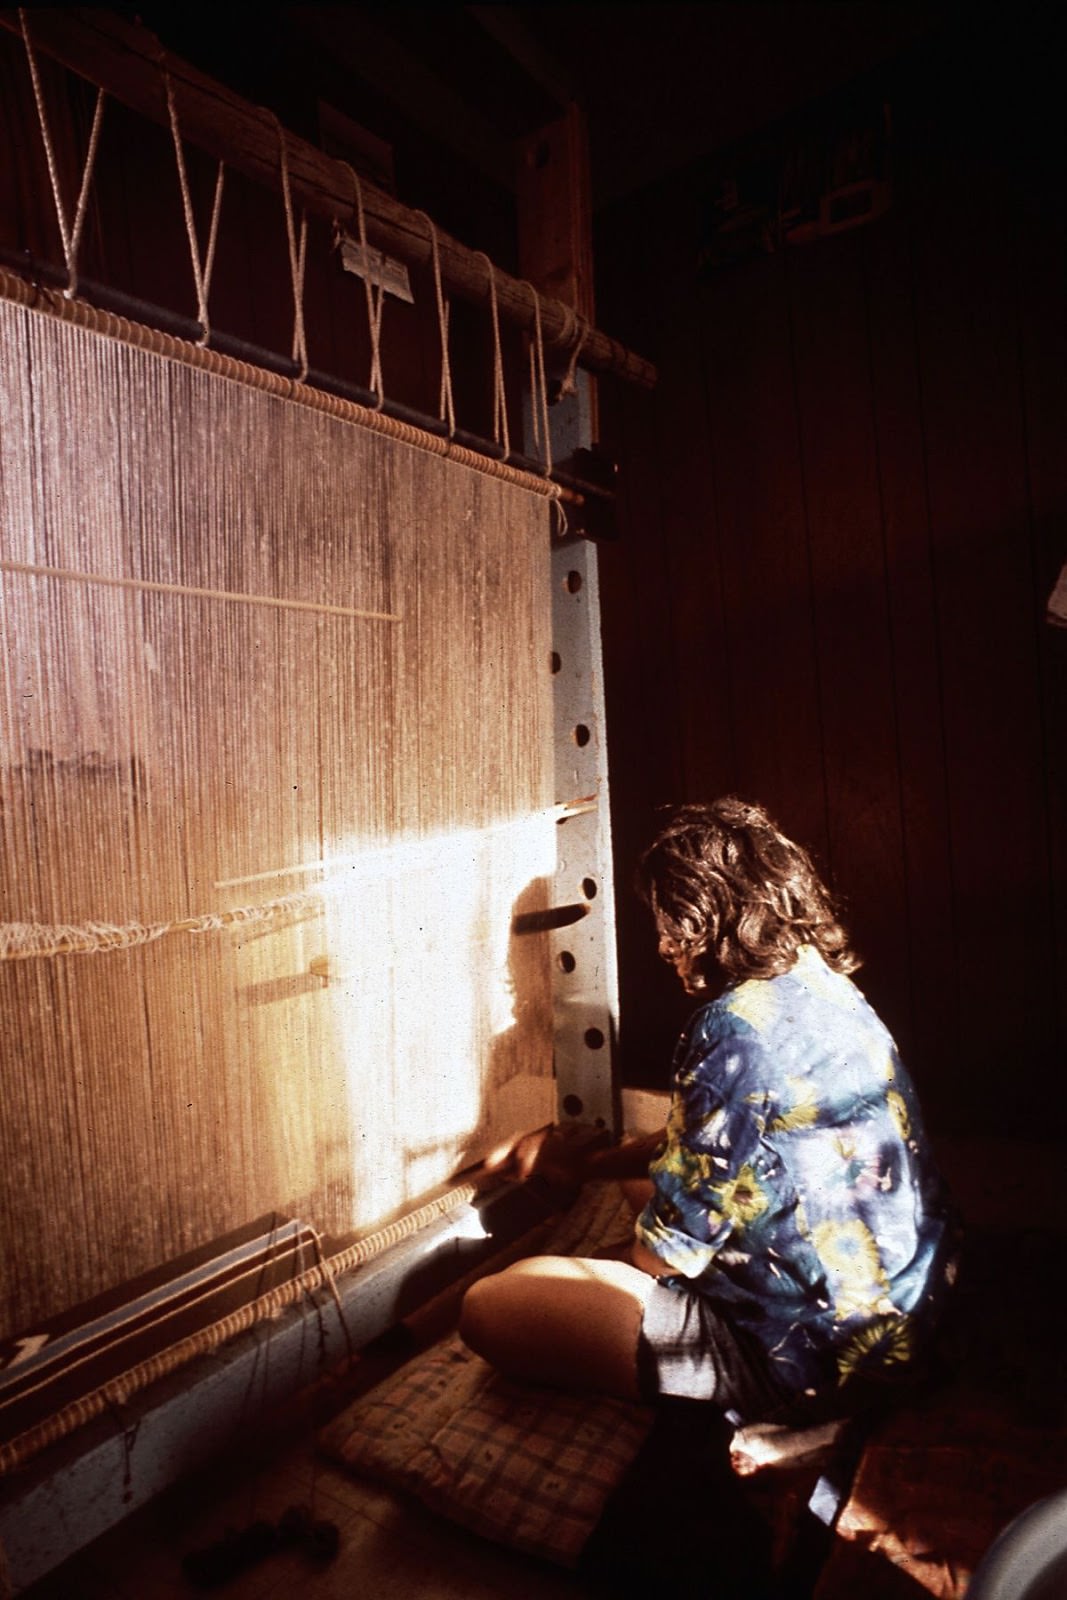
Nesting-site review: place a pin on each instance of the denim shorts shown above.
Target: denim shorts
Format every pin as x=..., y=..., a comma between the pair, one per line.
x=689, y=1349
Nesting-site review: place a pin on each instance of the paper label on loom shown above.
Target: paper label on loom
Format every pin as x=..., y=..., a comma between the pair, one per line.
x=376, y=268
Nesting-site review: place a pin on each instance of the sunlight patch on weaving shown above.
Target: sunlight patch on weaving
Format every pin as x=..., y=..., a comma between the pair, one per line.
x=296, y=769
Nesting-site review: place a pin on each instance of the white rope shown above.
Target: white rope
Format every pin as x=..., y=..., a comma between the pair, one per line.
x=375, y=297
x=70, y=235
x=202, y=269
x=445, y=405
x=297, y=256
x=500, y=405
x=539, y=384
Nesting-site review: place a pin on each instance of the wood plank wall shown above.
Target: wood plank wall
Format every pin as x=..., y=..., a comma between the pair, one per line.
x=843, y=515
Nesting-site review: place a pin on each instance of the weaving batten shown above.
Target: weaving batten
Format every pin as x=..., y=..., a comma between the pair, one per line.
x=37, y=297
x=122, y=58
x=119, y=1391
x=69, y=233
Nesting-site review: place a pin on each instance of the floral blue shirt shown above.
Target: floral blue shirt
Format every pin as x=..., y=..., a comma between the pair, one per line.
x=796, y=1188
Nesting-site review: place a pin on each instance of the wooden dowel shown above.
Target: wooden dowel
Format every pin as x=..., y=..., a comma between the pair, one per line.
x=125, y=60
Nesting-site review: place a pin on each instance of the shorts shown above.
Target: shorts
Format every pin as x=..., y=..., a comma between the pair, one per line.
x=688, y=1349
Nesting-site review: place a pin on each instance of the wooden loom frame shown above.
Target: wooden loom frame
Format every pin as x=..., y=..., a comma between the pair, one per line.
x=49, y=1497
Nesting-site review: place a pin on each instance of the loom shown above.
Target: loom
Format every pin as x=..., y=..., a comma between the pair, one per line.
x=281, y=800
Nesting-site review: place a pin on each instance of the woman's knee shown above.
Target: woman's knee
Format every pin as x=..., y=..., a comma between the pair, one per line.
x=559, y=1320
x=480, y=1316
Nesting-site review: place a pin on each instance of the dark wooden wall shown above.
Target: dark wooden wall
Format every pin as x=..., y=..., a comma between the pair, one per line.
x=843, y=514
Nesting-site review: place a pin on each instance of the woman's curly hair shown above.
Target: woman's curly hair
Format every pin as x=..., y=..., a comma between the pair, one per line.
x=723, y=883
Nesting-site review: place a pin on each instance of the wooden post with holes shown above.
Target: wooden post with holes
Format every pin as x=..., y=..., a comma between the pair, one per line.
x=555, y=255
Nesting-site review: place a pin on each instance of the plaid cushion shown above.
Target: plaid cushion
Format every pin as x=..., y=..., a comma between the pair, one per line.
x=526, y=1466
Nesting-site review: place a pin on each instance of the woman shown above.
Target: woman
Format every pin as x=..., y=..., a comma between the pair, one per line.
x=792, y=1246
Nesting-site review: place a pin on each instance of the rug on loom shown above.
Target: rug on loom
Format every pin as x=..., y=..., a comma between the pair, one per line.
x=519, y=1464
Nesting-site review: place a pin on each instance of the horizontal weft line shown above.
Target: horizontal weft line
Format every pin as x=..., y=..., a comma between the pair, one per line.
x=23, y=941
x=31, y=570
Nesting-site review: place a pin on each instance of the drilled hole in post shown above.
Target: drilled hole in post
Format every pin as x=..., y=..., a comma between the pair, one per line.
x=589, y=888
x=582, y=735
x=594, y=1038
x=572, y=1105
x=555, y=661
x=565, y=961
x=572, y=582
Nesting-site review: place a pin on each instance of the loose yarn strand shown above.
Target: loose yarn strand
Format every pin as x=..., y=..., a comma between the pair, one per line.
x=202, y=269
x=570, y=385
x=500, y=406
x=297, y=254
x=70, y=237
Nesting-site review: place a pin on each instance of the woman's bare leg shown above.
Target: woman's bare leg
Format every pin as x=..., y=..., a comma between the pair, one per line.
x=638, y=1192
x=562, y=1320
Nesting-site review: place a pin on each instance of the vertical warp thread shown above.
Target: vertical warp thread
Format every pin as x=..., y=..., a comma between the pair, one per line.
x=155, y=744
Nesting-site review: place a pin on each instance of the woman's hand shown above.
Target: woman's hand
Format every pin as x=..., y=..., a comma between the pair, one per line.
x=560, y=1157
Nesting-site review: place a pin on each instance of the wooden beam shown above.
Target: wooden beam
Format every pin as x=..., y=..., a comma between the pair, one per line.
x=555, y=212
x=126, y=61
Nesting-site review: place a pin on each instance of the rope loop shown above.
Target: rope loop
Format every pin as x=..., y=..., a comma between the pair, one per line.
x=203, y=267
x=375, y=296
x=542, y=433
x=70, y=233
x=500, y=402
x=297, y=253
x=445, y=406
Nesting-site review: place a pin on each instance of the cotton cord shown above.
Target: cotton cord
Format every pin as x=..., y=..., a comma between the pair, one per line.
x=375, y=296
x=70, y=234
x=539, y=385
x=159, y=744
x=297, y=254
x=500, y=403
x=569, y=385
x=445, y=407
x=202, y=267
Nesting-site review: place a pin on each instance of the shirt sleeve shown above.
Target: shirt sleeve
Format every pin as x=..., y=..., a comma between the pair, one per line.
x=705, y=1181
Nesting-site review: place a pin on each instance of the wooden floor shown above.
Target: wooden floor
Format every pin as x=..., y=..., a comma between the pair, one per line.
x=390, y=1549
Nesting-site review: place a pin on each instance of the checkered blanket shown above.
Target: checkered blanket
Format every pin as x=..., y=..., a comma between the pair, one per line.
x=526, y=1466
